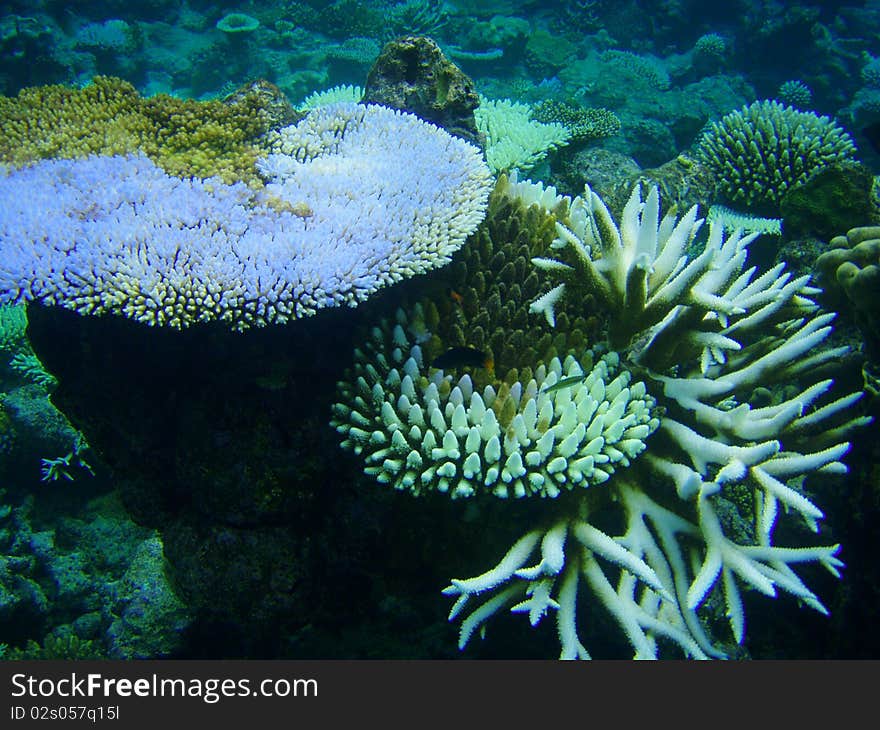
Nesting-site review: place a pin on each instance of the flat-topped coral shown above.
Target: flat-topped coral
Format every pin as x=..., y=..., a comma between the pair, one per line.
x=514, y=139
x=108, y=117
x=347, y=208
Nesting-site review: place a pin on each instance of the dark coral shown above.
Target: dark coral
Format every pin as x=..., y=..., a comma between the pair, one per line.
x=831, y=200
x=413, y=74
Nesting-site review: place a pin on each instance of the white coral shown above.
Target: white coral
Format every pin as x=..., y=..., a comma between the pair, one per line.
x=420, y=430
x=741, y=331
x=515, y=141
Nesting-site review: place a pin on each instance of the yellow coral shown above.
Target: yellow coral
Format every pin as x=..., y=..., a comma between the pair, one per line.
x=184, y=136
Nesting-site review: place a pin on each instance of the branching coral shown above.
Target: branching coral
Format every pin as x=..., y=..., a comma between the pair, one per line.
x=695, y=471
x=583, y=124
x=515, y=141
x=765, y=149
x=347, y=208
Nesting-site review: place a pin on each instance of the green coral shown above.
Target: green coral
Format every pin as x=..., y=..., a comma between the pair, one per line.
x=850, y=273
x=711, y=45
x=795, y=93
x=636, y=71
x=56, y=647
x=584, y=124
x=484, y=304
x=13, y=323
x=763, y=150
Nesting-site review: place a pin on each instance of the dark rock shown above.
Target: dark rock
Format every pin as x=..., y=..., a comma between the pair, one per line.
x=604, y=170
x=412, y=74
x=267, y=101
x=683, y=182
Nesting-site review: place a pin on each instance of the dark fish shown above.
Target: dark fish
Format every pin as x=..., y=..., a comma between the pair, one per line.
x=872, y=134
x=456, y=357
x=565, y=383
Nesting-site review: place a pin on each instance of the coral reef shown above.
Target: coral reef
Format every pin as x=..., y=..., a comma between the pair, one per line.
x=170, y=251
x=696, y=470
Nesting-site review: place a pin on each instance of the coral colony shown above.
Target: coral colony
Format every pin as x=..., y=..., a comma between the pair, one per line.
x=655, y=422
x=663, y=414
x=346, y=209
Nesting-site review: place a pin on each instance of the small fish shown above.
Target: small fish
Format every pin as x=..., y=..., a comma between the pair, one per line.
x=456, y=357
x=565, y=383
x=456, y=297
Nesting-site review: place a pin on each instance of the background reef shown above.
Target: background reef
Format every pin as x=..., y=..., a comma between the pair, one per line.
x=211, y=512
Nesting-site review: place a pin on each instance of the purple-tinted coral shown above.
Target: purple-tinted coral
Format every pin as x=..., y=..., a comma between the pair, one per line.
x=358, y=211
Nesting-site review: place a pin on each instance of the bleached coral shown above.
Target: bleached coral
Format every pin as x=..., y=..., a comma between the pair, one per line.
x=731, y=220
x=333, y=95
x=694, y=338
x=347, y=208
x=515, y=141
x=572, y=425
x=704, y=333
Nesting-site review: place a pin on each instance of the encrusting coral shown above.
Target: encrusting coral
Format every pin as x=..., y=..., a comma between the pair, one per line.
x=658, y=422
x=345, y=210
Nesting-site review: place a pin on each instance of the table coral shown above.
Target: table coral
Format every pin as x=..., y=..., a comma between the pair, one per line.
x=346, y=209
x=109, y=117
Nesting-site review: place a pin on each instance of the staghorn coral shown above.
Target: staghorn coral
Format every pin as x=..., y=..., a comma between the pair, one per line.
x=346, y=210
x=184, y=136
x=765, y=149
x=698, y=475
